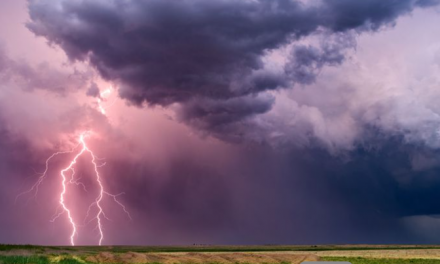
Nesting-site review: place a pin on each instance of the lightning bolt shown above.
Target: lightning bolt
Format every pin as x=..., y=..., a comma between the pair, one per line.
x=43, y=175
x=100, y=99
x=67, y=176
x=67, y=179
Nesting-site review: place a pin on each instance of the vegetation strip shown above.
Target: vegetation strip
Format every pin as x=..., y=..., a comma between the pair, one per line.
x=70, y=260
x=268, y=248
x=359, y=260
x=36, y=260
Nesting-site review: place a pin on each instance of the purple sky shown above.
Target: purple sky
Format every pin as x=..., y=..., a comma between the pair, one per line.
x=227, y=122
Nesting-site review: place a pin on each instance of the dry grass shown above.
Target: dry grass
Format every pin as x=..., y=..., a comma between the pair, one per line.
x=384, y=254
x=200, y=258
x=226, y=254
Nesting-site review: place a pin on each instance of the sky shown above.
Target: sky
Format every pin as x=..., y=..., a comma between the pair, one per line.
x=221, y=122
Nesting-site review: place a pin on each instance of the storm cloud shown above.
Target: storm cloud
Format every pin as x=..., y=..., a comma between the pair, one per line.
x=40, y=77
x=346, y=90
x=210, y=57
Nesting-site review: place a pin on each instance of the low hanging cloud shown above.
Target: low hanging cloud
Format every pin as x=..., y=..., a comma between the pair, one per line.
x=211, y=57
x=42, y=76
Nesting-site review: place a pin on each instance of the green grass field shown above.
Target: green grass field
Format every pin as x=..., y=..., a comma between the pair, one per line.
x=383, y=261
x=36, y=260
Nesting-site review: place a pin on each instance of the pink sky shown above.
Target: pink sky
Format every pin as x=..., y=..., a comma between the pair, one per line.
x=238, y=168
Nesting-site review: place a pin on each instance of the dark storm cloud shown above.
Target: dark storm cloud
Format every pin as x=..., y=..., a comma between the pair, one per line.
x=224, y=118
x=169, y=51
x=306, y=60
x=372, y=14
x=208, y=53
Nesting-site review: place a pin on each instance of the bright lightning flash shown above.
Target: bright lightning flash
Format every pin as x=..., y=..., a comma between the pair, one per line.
x=65, y=176
x=102, y=96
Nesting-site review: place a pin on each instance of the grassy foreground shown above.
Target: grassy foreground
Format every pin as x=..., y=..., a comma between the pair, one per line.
x=382, y=261
x=72, y=260
x=37, y=260
x=208, y=254
x=68, y=260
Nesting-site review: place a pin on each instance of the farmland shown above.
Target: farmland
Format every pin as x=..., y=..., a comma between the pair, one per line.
x=356, y=254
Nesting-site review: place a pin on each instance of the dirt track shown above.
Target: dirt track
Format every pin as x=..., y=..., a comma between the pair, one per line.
x=199, y=258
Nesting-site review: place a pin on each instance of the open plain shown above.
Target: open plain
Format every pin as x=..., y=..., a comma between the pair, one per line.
x=356, y=254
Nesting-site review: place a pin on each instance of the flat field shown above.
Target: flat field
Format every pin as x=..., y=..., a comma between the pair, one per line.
x=356, y=254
